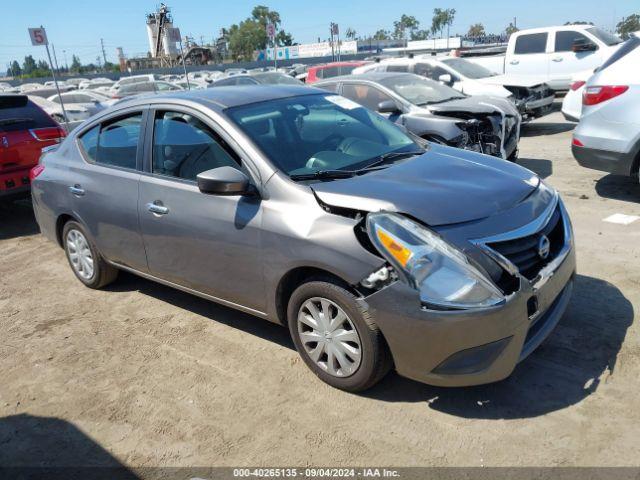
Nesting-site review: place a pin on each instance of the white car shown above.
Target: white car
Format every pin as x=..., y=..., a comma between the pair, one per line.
x=532, y=97
x=608, y=135
x=87, y=99
x=131, y=80
x=572, y=102
x=555, y=53
x=194, y=84
x=74, y=113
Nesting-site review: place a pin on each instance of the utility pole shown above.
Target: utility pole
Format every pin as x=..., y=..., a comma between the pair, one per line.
x=66, y=65
x=104, y=54
x=55, y=58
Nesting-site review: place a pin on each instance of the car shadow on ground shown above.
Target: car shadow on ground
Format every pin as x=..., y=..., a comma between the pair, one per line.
x=253, y=325
x=579, y=355
x=535, y=129
x=52, y=448
x=619, y=187
x=539, y=166
x=17, y=220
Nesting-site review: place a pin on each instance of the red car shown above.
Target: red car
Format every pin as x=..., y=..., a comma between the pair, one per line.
x=25, y=129
x=328, y=70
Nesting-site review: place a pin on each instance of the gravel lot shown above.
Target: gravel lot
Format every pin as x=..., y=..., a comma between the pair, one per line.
x=143, y=375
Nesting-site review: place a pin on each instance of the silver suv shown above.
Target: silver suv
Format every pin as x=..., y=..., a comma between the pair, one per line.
x=301, y=207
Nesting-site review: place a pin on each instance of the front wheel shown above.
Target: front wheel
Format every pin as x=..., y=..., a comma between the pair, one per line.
x=336, y=337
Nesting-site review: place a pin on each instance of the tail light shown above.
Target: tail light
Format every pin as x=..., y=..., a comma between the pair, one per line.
x=595, y=95
x=35, y=171
x=576, y=143
x=48, y=133
x=577, y=84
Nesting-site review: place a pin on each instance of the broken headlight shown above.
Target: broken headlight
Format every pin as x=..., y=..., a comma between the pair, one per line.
x=440, y=272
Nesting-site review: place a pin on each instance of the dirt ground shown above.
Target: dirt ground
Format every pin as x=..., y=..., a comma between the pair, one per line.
x=142, y=375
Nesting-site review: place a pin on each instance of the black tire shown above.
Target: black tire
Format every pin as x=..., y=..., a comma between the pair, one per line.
x=375, y=357
x=103, y=273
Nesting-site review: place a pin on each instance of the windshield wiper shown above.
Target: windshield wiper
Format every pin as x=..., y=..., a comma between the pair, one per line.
x=333, y=174
x=389, y=156
x=324, y=174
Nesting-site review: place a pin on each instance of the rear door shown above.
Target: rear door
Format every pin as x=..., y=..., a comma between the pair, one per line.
x=103, y=186
x=529, y=54
x=564, y=62
x=208, y=243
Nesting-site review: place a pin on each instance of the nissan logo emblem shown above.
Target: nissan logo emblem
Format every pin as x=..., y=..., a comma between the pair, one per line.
x=544, y=247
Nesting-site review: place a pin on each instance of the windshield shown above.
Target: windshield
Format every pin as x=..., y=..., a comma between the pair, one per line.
x=311, y=133
x=275, y=78
x=605, y=37
x=467, y=68
x=420, y=91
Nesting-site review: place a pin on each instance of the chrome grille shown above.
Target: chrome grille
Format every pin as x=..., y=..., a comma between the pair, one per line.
x=523, y=252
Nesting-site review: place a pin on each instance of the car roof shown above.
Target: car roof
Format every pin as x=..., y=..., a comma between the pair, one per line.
x=230, y=96
x=367, y=76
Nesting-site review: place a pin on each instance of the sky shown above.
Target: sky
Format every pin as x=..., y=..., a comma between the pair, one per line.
x=76, y=27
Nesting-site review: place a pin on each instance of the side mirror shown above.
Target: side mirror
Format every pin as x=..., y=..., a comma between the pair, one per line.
x=224, y=181
x=446, y=79
x=581, y=45
x=388, y=106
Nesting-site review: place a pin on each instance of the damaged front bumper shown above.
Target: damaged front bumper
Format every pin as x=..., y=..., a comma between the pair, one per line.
x=480, y=345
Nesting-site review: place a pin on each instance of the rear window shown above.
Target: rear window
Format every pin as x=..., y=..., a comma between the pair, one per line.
x=629, y=46
x=531, y=43
x=17, y=112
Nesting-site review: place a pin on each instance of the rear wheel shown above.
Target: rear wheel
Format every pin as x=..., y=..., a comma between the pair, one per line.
x=336, y=337
x=85, y=260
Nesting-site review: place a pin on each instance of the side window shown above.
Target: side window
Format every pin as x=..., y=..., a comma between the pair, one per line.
x=245, y=81
x=566, y=39
x=183, y=146
x=329, y=87
x=532, y=43
x=367, y=96
x=118, y=142
x=89, y=141
x=430, y=71
x=397, y=68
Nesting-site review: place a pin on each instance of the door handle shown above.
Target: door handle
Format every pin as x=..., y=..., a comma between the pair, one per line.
x=557, y=59
x=157, y=209
x=77, y=190
x=514, y=62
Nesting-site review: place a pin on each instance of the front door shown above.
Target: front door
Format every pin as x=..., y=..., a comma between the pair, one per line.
x=564, y=62
x=204, y=242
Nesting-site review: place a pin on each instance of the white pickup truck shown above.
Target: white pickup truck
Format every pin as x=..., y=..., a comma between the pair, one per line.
x=554, y=54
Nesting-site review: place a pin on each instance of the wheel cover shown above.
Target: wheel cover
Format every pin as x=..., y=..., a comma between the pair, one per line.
x=80, y=254
x=329, y=337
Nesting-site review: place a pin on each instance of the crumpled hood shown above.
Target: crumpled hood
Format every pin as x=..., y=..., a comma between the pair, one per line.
x=475, y=104
x=515, y=80
x=443, y=186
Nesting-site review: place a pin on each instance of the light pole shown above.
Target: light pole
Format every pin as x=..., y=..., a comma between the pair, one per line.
x=66, y=65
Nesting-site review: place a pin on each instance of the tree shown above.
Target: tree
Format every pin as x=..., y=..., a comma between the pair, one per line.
x=245, y=38
x=511, y=28
x=579, y=23
x=263, y=15
x=42, y=65
x=350, y=33
x=284, y=39
x=15, y=69
x=628, y=25
x=476, y=30
x=442, y=18
x=29, y=65
x=406, y=24
x=420, y=35
x=75, y=64
x=382, y=35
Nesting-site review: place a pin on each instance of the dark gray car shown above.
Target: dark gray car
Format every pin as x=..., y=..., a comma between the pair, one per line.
x=377, y=250
x=436, y=112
